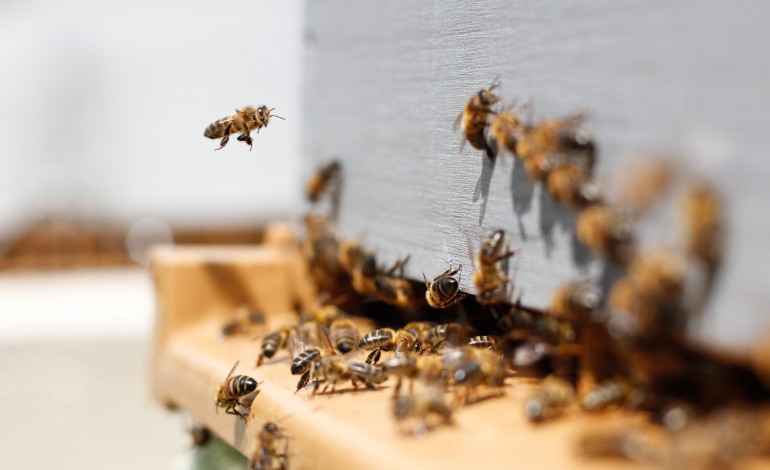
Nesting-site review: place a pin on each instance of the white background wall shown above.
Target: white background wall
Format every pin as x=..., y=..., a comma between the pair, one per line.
x=103, y=107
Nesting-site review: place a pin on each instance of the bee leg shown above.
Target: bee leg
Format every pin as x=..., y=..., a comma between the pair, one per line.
x=303, y=381
x=374, y=356
x=226, y=138
x=245, y=137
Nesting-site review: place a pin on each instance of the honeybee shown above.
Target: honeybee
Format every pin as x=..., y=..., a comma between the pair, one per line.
x=488, y=277
x=418, y=413
x=485, y=342
x=386, y=339
x=549, y=400
x=302, y=365
x=475, y=119
x=570, y=183
x=538, y=166
x=199, y=434
x=394, y=288
x=344, y=335
x=472, y=368
x=321, y=248
x=244, y=120
x=702, y=215
x=241, y=321
x=323, y=179
x=334, y=369
x=268, y=454
x=324, y=315
x=272, y=343
x=575, y=302
x=444, y=291
x=506, y=129
x=521, y=324
x=453, y=333
x=351, y=255
x=411, y=366
x=608, y=393
x=657, y=279
x=236, y=391
x=606, y=231
x=559, y=136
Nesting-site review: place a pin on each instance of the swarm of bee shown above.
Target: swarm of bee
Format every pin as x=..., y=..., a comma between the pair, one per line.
x=618, y=345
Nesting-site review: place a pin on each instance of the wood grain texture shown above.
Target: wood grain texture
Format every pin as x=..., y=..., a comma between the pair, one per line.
x=385, y=80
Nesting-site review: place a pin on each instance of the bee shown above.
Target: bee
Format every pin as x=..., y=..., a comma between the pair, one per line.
x=575, y=302
x=268, y=454
x=609, y=392
x=549, y=400
x=419, y=329
x=386, y=339
x=321, y=248
x=334, y=369
x=470, y=369
x=394, y=288
x=488, y=277
x=702, y=215
x=444, y=291
x=344, y=335
x=272, y=343
x=244, y=120
x=418, y=413
x=323, y=179
x=570, y=183
x=241, y=321
x=199, y=433
x=324, y=315
x=506, y=129
x=235, y=391
x=538, y=166
x=522, y=324
x=475, y=119
x=302, y=365
x=453, y=333
x=352, y=254
x=565, y=136
x=411, y=366
x=606, y=231
x=485, y=342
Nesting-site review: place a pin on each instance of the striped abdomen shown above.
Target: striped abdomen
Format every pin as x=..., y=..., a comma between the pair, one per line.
x=273, y=342
x=383, y=338
x=484, y=342
x=226, y=126
x=344, y=335
x=240, y=385
x=302, y=363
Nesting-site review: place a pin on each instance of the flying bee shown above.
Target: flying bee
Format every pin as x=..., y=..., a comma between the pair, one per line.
x=244, y=120
x=485, y=342
x=444, y=290
x=323, y=179
x=606, y=231
x=394, y=288
x=570, y=183
x=549, y=400
x=702, y=215
x=609, y=392
x=490, y=280
x=471, y=369
x=418, y=413
x=272, y=343
x=411, y=366
x=475, y=119
x=575, y=302
x=334, y=369
x=236, y=391
x=386, y=339
x=268, y=454
x=344, y=335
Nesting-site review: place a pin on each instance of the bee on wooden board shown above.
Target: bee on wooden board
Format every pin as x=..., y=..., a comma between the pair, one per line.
x=344, y=335
x=412, y=366
x=418, y=413
x=549, y=400
x=471, y=369
x=444, y=290
x=269, y=455
x=236, y=391
x=244, y=120
x=330, y=370
x=488, y=277
x=453, y=334
x=272, y=343
x=392, y=287
x=241, y=321
x=325, y=178
x=610, y=392
x=387, y=339
x=475, y=119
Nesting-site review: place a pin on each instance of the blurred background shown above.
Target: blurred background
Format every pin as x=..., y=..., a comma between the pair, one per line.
x=102, y=112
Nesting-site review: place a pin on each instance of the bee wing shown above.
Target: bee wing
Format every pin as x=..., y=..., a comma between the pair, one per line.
x=232, y=370
x=472, y=257
x=458, y=120
x=325, y=342
x=298, y=342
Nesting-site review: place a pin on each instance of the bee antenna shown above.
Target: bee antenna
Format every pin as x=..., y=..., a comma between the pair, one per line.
x=277, y=116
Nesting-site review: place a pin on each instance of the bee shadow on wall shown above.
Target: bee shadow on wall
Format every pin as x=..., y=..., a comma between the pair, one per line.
x=482, y=186
x=552, y=215
x=522, y=189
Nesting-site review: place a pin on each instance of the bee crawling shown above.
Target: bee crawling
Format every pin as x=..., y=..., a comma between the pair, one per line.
x=236, y=391
x=244, y=120
x=475, y=119
x=268, y=454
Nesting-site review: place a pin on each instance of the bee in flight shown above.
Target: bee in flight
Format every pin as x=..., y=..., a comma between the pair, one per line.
x=244, y=120
x=236, y=391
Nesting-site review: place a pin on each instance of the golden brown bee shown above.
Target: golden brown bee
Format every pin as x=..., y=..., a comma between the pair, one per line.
x=324, y=315
x=352, y=254
x=702, y=214
x=303, y=365
x=575, y=302
x=272, y=343
x=419, y=328
x=236, y=391
x=241, y=321
x=386, y=339
x=471, y=369
x=411, y=366
x=521, y=324
x=475, y=119
x=344, y=335
x=419, y=413
x=485, y=342
x=394, y=288
x=269, y=454
x=559, y=136
x=506, y=129
x=244, y=120
x=444, y=291
x=606, y=232
x=453, y=334
x=490, y=280
x=323, y=179
x=549, y=400
x=334, y=369
x=609, y=392
x=538, y=166
x=570, y=183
